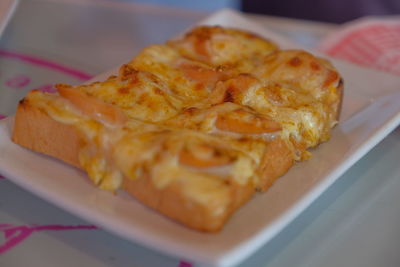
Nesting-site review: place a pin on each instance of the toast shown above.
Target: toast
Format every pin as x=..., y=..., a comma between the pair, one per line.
x=192, y=128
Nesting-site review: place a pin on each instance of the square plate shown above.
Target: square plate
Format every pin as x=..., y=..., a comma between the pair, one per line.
x=371, y=110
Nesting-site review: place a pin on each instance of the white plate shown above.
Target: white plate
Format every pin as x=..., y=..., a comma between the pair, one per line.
x=371, y=111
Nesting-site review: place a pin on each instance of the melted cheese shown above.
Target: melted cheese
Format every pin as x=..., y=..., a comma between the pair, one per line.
x=223, y=47
x=200, y=111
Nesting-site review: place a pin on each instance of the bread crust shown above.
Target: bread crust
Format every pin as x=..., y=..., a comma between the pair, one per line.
x=36, y=130
x=172, y=202
x=278, y=159
x=340, y=91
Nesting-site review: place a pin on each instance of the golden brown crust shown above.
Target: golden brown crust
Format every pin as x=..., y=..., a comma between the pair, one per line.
x=340, y=91
x=172, y=202
x=35, y=130
x=278, y=158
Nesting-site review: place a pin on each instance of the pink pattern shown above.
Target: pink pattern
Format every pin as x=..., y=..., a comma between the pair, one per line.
x=14, y=235
x=2, y=117
x=47, y=64
x=375, y=45
x=184, y=264
x=18, y=81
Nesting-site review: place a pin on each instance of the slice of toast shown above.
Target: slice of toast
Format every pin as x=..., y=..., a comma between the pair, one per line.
x=192, y=128
x=36, y=130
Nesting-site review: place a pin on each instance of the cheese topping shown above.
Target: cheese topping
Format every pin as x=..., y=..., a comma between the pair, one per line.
x=200, y=111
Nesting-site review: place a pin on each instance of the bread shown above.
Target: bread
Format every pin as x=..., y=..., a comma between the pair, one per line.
x=192, y=128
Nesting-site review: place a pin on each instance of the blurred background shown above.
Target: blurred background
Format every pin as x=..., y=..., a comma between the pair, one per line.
x=206, y=5
x=337, y=11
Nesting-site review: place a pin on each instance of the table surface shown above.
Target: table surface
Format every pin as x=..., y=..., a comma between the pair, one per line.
x=354, y=223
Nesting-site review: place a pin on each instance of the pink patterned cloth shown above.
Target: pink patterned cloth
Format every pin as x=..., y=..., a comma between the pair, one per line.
x=184, y=264
x=2, y=117
x=16, y=234
x=369, y=42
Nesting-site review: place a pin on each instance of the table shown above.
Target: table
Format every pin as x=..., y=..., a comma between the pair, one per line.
x=354, y=223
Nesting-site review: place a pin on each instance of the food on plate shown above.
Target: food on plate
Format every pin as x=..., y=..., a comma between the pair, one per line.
x=192, y=128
